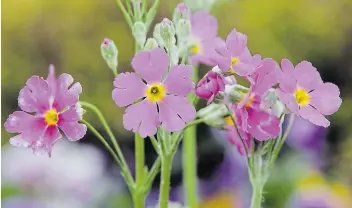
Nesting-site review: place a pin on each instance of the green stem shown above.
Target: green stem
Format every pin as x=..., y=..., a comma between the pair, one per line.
x=151, y=13
x=125, y=13
x=155, y=144
x=166, y=164
x=189, y=166
x=281, y=141
x=123, y=166
x=139, y=195
x=257, y=196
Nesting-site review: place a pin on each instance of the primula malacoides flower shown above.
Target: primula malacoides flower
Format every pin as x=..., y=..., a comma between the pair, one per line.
x=48, y=105
x=305, y=94
x=204, y=38
x=235, y=56
x=254, y=120
x=153, y=100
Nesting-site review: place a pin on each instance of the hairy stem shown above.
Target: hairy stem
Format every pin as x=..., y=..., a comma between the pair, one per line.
x=139, y=195
x=166, y=164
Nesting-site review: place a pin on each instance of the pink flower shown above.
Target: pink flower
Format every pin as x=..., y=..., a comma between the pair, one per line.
x=48, y=105
x=204, y=37
x=210, y=85
x=254, y=120
x=305, y=94
x=159, y=101
x=235, y=56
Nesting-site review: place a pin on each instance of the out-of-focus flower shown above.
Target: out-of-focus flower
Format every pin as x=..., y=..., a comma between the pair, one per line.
x=67, y=179
x=235, y=56
x=48, y=105
x=204, y=38
x=17, y=202
x=211, y=84
x=315, y=192
x=200, y=4
x=306, y=95
x=162, y=99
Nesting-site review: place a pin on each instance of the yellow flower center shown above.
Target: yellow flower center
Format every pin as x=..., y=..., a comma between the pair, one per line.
x=195, y=49
x=234, y=61
x=51, y=117
x=155, y=92
x=249, y=102
x=302, y=96
x=228, y=120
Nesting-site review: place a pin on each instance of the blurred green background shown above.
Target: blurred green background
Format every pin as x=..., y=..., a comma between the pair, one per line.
x=36, y=33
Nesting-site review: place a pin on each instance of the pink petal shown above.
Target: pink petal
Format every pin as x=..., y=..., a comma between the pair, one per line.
x=142, y=117
x=174, y=112
x=204, y=25
x=20, y=141
x=311, y=114
x=44, y=146
x=178, y=81
x=243, y=69
x=74, y=113
x=262, y=125
x=287, y=83
x=129, y=88
x=307, y=76
x=287, y=66
x=66, y=96
x=236, y=43
x=288, y=100
x=267, y=76
x=34, y=97
x=325, y=98
x=151, y=65
x=73, y=130
x=18, y=121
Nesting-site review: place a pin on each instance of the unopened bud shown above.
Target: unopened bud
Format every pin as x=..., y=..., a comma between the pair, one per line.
x=167, y=33
x=174, y=55
x=213, y=115
x=183, y=29
x=150, y=44
x=109, y=52
x=139, y=32
x=272, y=104
x=235, y=92
x=181, y=12
x=157, y=35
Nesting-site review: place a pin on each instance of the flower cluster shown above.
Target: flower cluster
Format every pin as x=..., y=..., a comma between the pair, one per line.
x=47, y=106
x=253, y=110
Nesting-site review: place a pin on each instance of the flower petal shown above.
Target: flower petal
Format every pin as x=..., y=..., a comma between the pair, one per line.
x=142, y=117
x=151, y=65
x=325, y=98
x=34, y=97
x=129, y=88
x=74, y=113
x=73, y=130
x=204, y=25
x=51, y=79
x=307, y=76
x=20, y=141
x=288, y=100
x=178, y=80
x=45, y=145
x=66, y=96
x=236, y=43
x=174, y=112
x=311, y=114
x=287, y=66
x=18, y=121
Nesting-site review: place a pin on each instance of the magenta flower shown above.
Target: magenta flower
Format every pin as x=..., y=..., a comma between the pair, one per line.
x=204, y=38
x=235, y=56
x=254, y=120
x=211, y=84
x=48, y=105
x=306, y=95
x=158, y=101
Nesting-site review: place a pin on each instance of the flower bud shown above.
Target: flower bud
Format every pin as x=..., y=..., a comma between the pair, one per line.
x=150, y=44
x=181, y=12
x=233, y=94
x=213, y=115
x=210, y=85
x=271, y=103
x=167, y=33
x=183, y=29
x=174, y=55
x=109, y=52
x=139, y=32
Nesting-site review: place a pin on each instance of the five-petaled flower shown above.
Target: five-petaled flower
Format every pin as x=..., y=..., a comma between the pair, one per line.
x=47, y=106
x=303, y=91
x=155, y=96
x=235, y=56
